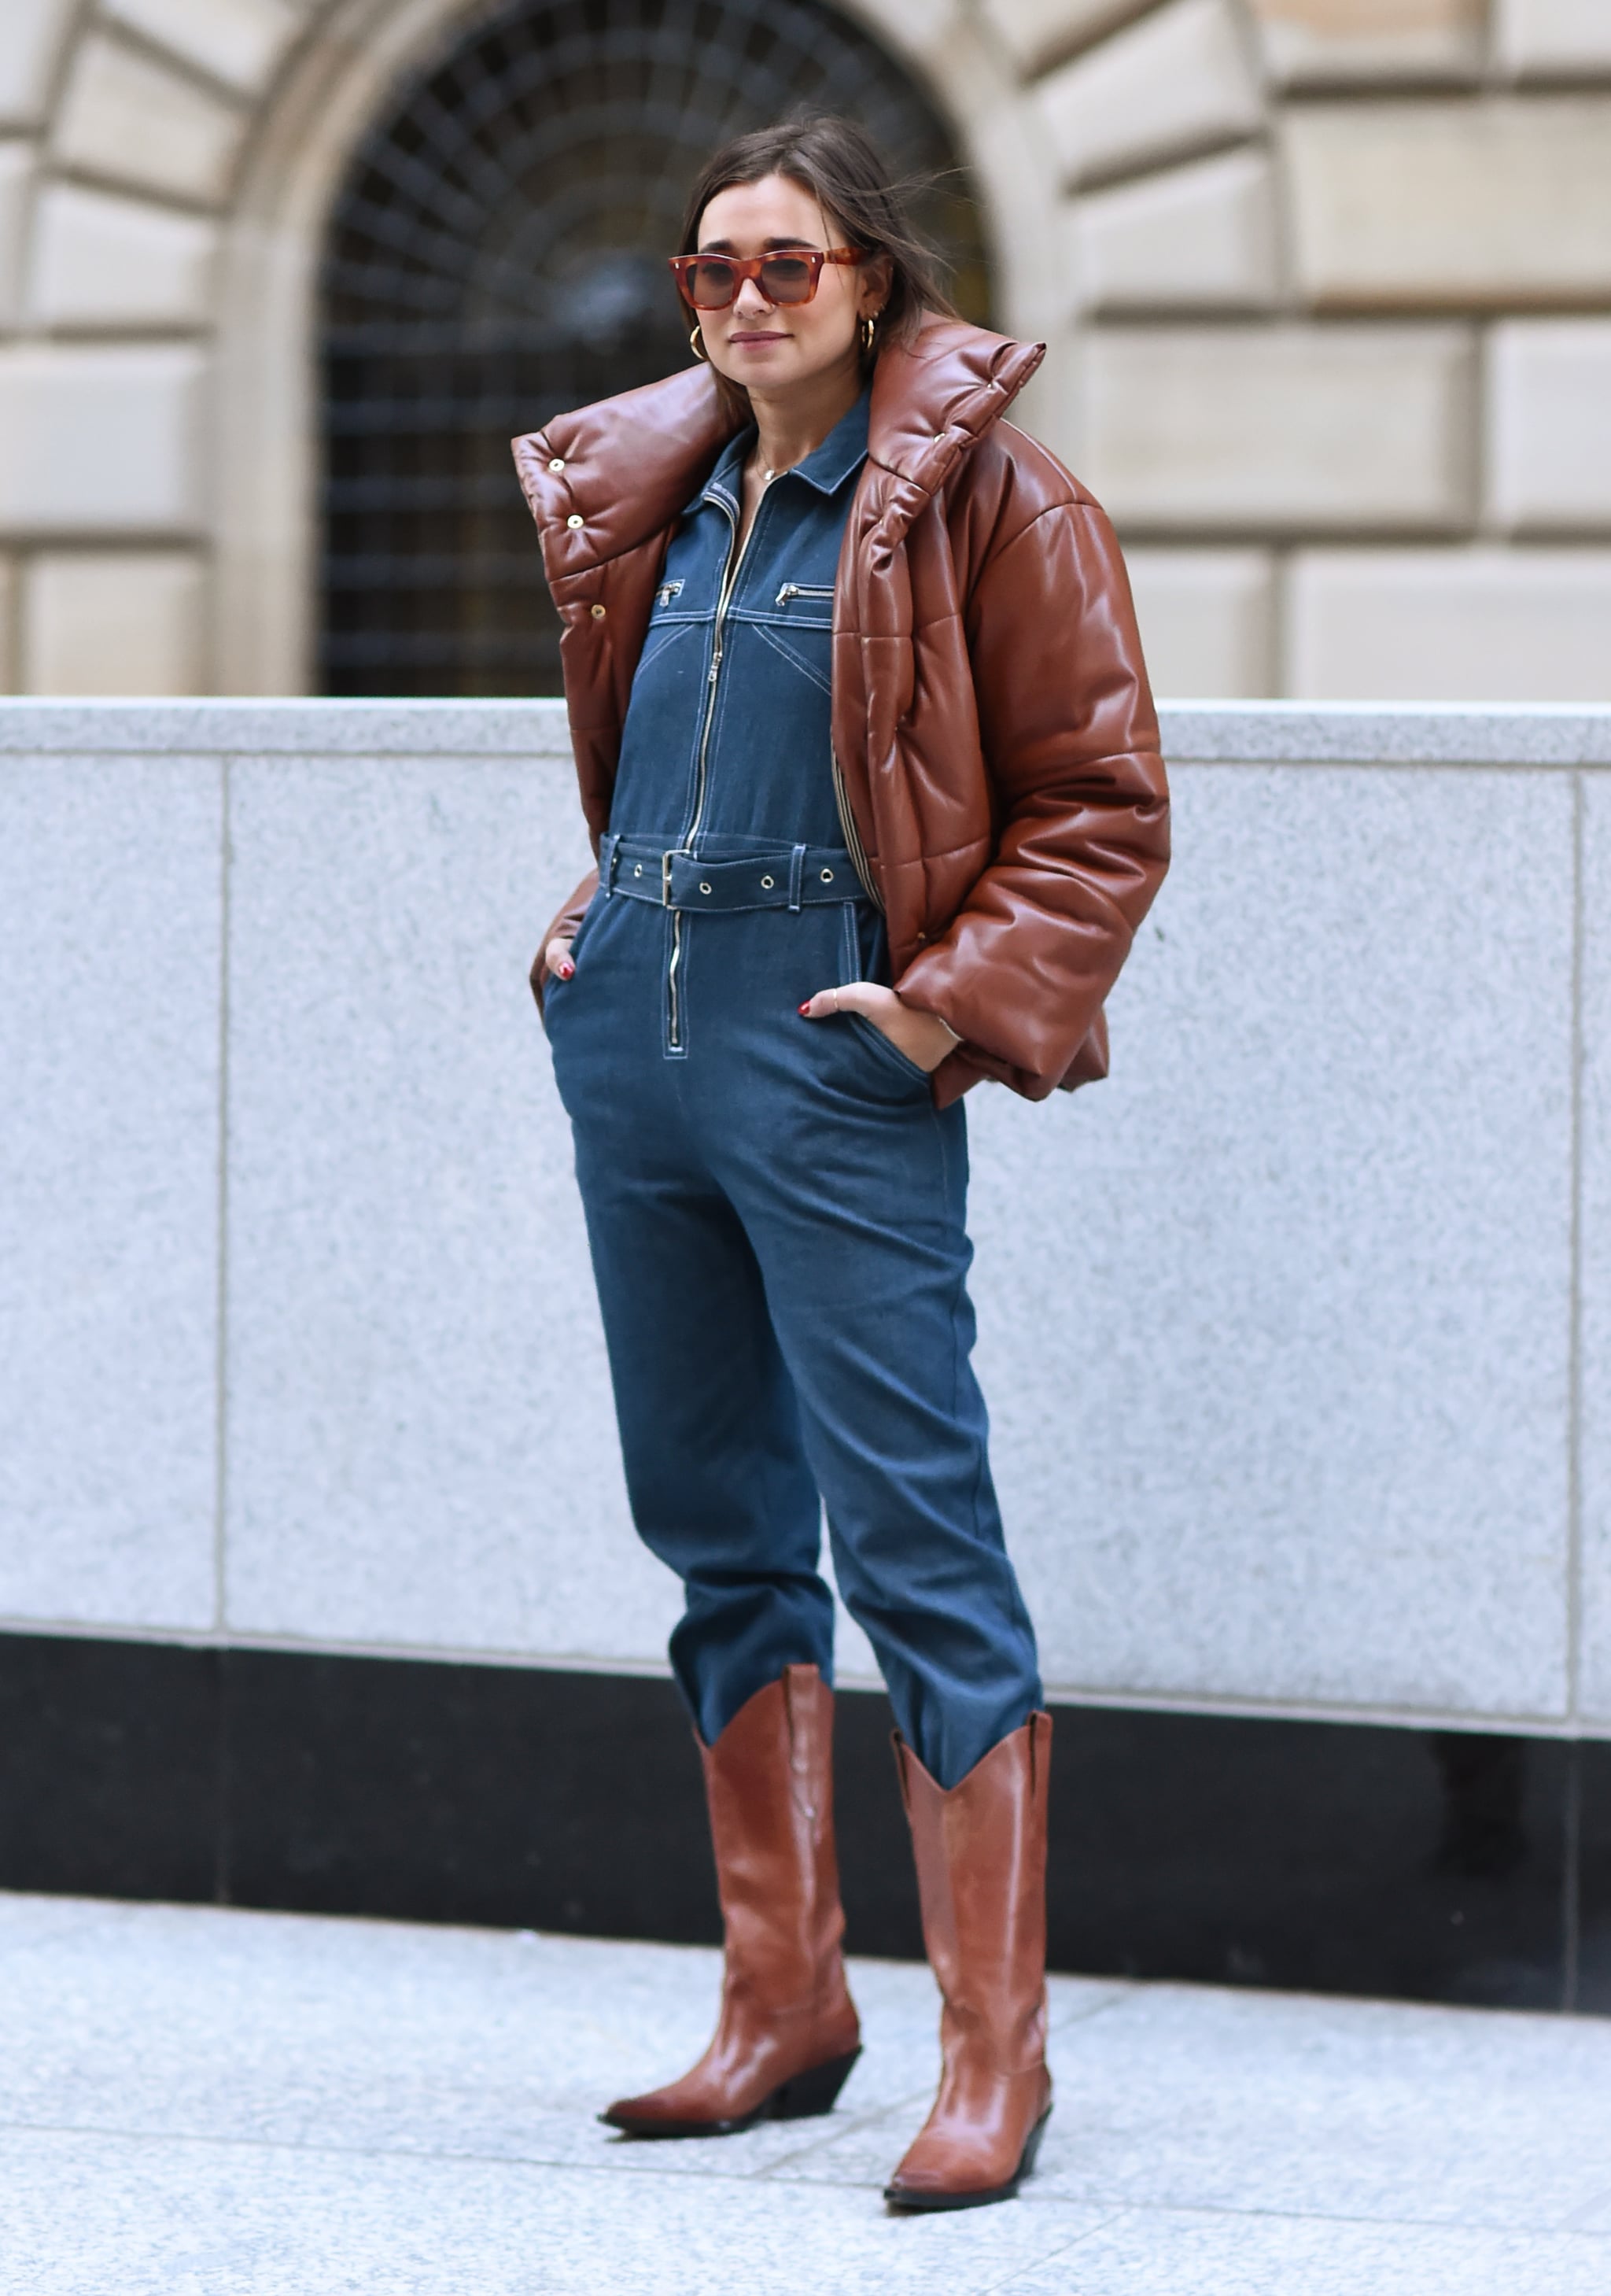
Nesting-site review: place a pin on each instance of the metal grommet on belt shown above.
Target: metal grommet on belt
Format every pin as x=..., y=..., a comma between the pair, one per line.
x=767, y=883
x=827, y=876
x=704, y=888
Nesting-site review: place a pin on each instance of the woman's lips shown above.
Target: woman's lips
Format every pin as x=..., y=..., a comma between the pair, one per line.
x=736, y=341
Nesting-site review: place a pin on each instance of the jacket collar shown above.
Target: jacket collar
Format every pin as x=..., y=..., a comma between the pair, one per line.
x=935, y=398
x=623, y=469
x=627, y=466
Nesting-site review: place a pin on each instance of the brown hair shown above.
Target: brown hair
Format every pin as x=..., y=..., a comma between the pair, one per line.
x=839, y=164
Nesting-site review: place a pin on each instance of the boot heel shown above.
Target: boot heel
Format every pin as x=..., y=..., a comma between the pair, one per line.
x=1026, y=2165
x=809, y=2094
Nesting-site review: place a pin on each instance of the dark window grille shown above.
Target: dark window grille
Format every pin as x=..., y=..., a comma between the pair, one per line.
x=495, y=256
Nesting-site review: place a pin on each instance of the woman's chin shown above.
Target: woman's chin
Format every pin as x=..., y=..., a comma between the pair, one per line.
x=755, y=362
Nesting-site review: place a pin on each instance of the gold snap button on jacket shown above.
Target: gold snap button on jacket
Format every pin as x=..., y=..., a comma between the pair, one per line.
x=575, y=519
x=558, y=463
x=597, y=612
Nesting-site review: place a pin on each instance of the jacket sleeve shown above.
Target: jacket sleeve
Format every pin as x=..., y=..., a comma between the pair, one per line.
x=1071, y=746
x=564, y=927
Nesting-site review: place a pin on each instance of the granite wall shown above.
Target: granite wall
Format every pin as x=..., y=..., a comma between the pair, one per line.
x=1297, y=1331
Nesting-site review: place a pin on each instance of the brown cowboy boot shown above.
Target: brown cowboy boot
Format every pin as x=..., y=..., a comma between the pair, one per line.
x=788, y=2033
x=981, y=1859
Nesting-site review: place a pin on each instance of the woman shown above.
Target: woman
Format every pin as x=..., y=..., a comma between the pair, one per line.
x=868, y=755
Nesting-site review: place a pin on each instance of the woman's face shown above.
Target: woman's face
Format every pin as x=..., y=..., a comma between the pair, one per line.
x=770, y=347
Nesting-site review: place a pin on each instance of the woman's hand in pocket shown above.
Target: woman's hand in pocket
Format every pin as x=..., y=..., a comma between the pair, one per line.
x=557, y=960
x=924, y=1040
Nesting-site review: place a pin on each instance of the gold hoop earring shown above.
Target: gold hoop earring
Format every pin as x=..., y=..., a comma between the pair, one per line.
x=868, y=332
x=696, y=341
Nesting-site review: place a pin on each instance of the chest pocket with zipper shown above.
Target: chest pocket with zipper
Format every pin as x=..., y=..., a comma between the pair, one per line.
x=798, y=623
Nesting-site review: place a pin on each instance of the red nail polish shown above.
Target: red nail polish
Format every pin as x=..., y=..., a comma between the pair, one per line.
x=806, y=1010
x=566, y=971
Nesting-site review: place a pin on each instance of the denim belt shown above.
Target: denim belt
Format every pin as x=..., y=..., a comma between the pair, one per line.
x=788, y=877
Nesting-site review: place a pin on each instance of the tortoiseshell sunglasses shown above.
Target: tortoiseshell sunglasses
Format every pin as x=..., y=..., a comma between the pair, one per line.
x=710, y=281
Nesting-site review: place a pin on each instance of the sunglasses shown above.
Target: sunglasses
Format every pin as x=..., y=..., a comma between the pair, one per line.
x=710, y=281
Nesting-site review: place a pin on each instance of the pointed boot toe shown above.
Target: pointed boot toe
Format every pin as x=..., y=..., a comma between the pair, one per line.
x=691, y=2108
x=960, y=2168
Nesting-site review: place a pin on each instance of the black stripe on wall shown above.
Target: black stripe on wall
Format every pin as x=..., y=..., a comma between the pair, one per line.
x=1330, y=1857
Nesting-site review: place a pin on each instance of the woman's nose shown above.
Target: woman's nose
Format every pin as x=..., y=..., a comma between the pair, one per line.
x=750, y=303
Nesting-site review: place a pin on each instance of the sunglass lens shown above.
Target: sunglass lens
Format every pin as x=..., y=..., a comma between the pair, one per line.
x=786, y=279
x=710, y=284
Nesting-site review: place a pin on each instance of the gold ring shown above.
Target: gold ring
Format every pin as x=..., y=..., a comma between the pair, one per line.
x=836, y=1000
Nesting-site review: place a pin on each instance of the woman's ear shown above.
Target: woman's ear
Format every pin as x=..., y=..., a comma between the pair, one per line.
x=875, y=278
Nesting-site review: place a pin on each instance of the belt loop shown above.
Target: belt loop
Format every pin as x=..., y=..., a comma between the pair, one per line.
x=610, y=855
x=796, y=870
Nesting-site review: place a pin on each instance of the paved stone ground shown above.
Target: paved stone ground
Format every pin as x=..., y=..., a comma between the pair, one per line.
x=209, y=2103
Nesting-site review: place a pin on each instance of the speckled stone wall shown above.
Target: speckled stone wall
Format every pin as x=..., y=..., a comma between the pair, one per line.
x=1295, y=1330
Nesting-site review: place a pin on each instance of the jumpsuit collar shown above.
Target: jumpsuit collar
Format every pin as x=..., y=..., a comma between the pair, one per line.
x=826, y=468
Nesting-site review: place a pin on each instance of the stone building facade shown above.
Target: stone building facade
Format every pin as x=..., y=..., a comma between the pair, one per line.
x=1327, y=285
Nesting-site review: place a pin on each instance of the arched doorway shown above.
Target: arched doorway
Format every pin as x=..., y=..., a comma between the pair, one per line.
x=493, y=256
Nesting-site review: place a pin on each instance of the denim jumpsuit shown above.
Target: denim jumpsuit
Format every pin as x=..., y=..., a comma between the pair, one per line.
x=775, y=1206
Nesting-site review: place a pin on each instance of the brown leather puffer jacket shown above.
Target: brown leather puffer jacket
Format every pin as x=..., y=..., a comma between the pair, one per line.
x=992, y=720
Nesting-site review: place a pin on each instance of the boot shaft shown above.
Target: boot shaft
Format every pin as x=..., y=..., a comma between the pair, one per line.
x=980, y=1853
x=769, y=1785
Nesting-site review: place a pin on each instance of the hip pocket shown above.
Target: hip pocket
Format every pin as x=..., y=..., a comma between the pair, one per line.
x=873, y=1037
x=583, y=930
x=556, y=990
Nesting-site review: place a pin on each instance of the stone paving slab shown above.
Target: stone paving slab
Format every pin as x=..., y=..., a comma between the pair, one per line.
x=204, y=2103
